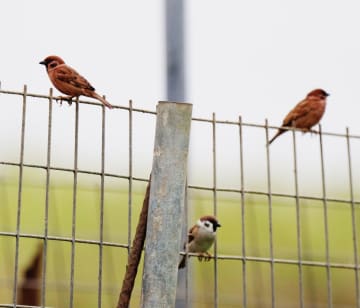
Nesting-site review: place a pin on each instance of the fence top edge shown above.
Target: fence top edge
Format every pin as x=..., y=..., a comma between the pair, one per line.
x=130, y=108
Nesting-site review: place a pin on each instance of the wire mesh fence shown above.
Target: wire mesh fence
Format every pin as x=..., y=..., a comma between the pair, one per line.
x=73, y=180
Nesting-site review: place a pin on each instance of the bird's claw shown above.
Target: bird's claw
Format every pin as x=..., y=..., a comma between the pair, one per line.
x=313, y=131
x=68, y=99
x=57, y=99
x=204, y=256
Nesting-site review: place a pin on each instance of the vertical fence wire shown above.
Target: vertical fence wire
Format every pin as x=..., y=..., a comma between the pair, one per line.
x=353, y=221
x=130, y=170
x=242, y=204
x=298, y=224
x=326, y=226
x=216, y=296
x=186, y=215
x=102, y=193
x=19, y=204
x=270, y=212
x=47, y=192
x=74, y=205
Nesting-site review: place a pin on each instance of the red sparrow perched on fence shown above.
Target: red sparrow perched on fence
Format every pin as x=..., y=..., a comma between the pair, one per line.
x=306, y=114
x=68, y=81
x=200, y=238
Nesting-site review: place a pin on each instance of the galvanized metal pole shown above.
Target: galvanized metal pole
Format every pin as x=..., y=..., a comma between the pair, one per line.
x=168, y=178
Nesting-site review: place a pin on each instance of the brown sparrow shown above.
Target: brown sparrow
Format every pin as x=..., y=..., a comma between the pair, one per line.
x=200, y=238
x=306, y=114
x=68, y=81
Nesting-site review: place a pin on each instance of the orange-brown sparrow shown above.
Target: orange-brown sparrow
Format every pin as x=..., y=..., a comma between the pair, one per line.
x=68, y=81
x=305, y=114
x=200, y=238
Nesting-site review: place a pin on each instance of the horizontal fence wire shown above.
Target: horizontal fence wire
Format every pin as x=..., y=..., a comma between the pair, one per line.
x=192, y=187
x=196, y=119
x=300, y=262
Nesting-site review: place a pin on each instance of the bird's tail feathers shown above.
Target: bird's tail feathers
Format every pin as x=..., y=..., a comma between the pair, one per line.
x=182, y=263
x=103, y=100
x=280, y=132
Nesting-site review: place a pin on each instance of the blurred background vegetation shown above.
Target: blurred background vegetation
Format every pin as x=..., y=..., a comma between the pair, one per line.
x=202, y=276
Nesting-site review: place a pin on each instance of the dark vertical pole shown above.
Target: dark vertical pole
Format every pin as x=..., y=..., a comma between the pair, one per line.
x=175, y=50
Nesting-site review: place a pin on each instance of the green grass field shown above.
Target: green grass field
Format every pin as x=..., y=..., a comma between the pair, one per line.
x=230, y=282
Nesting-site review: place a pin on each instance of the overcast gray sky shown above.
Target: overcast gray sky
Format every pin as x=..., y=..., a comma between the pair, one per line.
x=256, y=59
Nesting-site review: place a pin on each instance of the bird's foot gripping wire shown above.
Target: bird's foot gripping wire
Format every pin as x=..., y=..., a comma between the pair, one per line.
x=68, y=99
x=204, y=256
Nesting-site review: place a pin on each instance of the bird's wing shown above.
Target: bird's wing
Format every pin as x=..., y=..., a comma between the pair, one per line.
x=192, y=232
x=69, y=75
x=190, y=235
x=300, y=110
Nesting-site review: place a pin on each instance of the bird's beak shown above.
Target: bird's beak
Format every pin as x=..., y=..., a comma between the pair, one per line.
x=218, y=225
x=42, y=62
x=327, y=94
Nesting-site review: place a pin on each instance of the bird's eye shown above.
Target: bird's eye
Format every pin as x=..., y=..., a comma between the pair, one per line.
x=207, y=224
x=53, y=64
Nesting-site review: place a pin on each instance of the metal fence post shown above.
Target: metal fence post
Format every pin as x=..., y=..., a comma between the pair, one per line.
x=166, y=203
